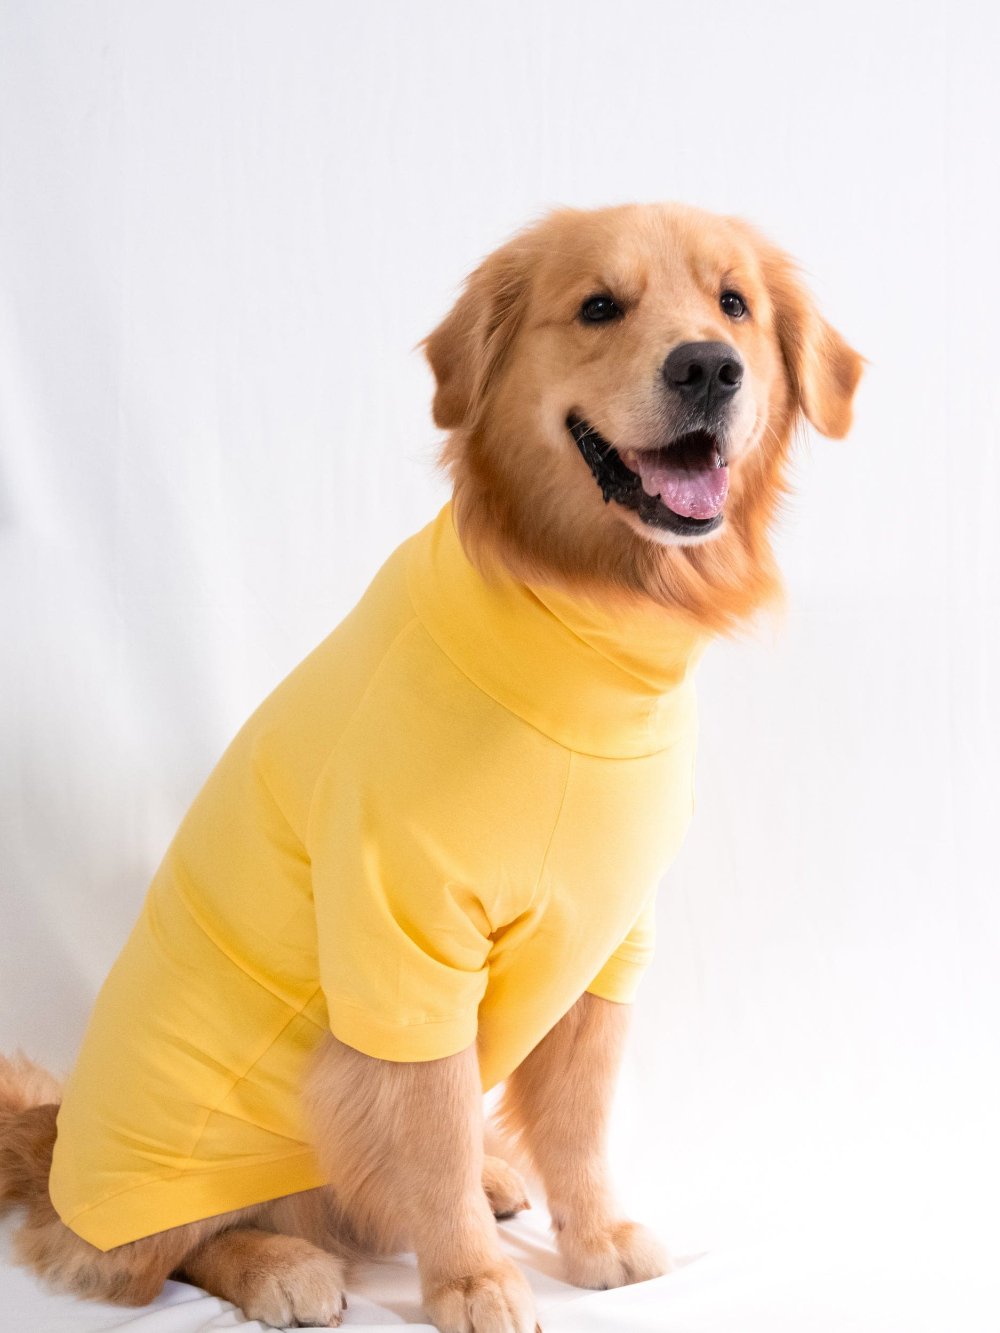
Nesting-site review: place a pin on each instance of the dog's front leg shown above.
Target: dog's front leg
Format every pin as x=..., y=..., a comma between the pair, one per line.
x=558, y=1102
x=402, y=1147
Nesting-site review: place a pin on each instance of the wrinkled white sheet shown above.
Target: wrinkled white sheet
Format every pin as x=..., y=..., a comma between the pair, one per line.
x=798, y=1287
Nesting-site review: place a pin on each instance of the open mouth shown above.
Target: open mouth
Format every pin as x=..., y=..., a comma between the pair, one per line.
x=680, y=486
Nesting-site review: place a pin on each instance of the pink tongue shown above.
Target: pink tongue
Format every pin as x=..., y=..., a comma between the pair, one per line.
x=694, y=492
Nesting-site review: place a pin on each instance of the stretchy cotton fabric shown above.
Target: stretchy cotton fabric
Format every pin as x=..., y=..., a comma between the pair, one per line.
x=444, y=826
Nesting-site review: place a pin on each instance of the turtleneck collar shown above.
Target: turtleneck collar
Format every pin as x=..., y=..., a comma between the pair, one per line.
x=609, y=679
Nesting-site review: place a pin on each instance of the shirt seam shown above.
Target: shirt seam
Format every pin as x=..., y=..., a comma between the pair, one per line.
x=334, y=748
x=158, y=1178
x=295, y=1012
x=242, y=1077
x=555, y=825
x=208, y=931
x=334, y=999
x=255, y=760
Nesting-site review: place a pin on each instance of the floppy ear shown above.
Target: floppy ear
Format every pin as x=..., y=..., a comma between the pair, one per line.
x=824, y=370
x=466, y=349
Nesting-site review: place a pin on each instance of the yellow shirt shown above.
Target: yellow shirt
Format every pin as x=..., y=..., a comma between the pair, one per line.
x=446, y=824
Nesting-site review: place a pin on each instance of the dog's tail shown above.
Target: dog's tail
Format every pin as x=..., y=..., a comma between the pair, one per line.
x=29, y=1099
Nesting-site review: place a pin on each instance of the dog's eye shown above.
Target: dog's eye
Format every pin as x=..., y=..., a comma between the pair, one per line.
x=598, y=309
x=733, y=305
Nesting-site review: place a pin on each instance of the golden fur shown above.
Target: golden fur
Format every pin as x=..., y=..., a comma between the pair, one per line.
x=511, y=358
x=402, y=1144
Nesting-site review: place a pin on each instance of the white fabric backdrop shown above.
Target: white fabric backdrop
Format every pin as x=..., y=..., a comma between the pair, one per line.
x=224, y=227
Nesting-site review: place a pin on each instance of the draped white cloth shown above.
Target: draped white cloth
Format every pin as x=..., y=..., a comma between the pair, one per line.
x=223, y=229
x=766, y=1288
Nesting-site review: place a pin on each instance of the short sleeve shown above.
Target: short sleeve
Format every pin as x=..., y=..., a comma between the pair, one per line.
x=403, y=945
x=619, y=978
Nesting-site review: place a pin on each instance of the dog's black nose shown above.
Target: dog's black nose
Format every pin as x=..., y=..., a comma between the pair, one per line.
x=705, y=373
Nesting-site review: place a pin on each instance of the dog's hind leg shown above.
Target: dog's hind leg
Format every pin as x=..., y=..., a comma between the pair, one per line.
x=280, y=1280
x=208, y=1252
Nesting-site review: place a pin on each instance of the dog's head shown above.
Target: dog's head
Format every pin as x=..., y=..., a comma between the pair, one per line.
x=621, y=388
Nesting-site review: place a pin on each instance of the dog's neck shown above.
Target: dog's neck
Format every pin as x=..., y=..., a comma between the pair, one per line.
x=610, y=677
x=718, y=585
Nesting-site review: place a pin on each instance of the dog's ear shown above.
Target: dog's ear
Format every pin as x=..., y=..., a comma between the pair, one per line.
x=467, y=348
x=823, y=369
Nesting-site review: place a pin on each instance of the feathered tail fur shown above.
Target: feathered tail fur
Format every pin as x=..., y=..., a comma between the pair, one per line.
x=29, y=1099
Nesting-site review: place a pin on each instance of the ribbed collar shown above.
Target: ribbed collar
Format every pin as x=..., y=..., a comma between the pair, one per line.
x=612, y=679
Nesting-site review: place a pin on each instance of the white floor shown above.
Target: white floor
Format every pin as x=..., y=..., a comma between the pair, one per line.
x=802, y=1287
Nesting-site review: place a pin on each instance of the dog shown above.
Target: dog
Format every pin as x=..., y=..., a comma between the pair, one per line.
x=427, y=864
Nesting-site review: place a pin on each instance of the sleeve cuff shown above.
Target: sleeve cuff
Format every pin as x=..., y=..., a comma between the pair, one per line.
x=401, y=1042
x=617, y=981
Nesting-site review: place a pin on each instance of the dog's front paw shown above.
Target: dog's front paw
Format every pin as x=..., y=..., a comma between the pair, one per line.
x=494, y=1300
x=614, y=1255
x=505, y=1187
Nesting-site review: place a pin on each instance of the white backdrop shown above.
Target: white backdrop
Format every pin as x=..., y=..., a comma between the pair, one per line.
x=224, y=227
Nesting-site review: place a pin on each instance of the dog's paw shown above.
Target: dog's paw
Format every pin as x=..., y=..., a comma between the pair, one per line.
x=301, y=1289
x=495, y=1300
x=614, y=1256
x=504, y=1188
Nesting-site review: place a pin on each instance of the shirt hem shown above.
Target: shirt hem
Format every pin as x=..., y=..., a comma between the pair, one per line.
x=157, y=1205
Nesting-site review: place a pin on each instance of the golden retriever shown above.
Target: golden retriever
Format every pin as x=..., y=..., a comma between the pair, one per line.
x=620, y=389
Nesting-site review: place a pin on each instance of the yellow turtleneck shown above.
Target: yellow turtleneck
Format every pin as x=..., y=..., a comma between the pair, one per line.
x=446, y=824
